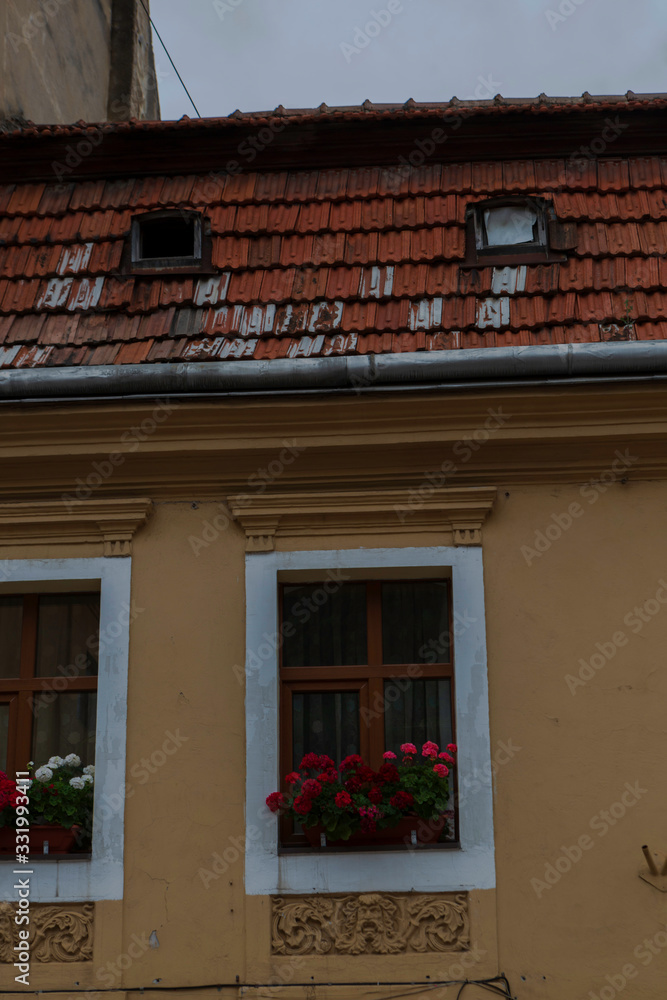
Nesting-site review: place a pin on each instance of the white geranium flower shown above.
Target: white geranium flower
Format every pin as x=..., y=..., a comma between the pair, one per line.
x=31, y=763
x=73, y=759
x=55, y=762
x=43, y=773
x=77, y=782
x=89, y=769
x=87, y=779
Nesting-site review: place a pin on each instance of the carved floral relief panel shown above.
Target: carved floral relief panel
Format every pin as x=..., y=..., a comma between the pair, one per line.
x=57, y=933
x=370, y=923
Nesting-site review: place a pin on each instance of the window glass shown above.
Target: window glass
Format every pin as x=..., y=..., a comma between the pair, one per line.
x=509, y=225
x=415, y=622
x=11, y=617
x=4, y=735
x=67, y=635
x=65, y=724
x=322, y=629
x=417, y=711
x=167, y=237
x=325, y=722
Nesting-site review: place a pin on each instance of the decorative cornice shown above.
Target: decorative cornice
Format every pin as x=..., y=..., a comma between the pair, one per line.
x=56, y=933
x=370, y=923
x=109, y=522
x=459, y=512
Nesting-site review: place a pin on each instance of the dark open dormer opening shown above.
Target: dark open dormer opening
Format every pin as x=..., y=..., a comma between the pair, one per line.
x=167, y=241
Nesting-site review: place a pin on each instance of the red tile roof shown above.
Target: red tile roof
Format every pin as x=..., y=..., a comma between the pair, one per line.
x=346, y=260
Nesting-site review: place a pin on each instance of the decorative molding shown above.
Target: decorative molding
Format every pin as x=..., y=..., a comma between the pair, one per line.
x=459, y=512
x=370, y=923
x=57, y=933
x=109, y=522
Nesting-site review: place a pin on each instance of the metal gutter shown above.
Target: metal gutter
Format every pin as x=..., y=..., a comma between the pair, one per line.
x=433, y=370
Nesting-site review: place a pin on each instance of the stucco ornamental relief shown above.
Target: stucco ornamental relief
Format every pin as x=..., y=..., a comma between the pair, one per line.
x=369, y=923
x=57, y=933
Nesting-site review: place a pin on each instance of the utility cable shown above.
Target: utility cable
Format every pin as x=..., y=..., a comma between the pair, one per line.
x=169, y=58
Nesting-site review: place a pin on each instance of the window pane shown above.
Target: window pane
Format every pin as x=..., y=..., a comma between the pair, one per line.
x=417, y=711
x=4, y=736
x=323, y=629
x=64, y=723
x=11, y=617
x=509, y=225
x=325, y=722
x=415, y=622
x=68, y=635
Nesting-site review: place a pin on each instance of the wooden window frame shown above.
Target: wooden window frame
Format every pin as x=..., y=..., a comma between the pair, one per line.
x=538, y=251
x=368, y=679
x=20, y=691
x=198, y=263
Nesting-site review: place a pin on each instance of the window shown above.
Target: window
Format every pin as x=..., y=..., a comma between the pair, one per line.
x=75, y=614
x=172, y=240
x=514, y=230
x=48, y=677
x=365, y=667
x=469, y=862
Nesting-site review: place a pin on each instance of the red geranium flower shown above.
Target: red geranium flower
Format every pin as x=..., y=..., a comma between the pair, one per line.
x=354, y=783
x=351, y=763
x=452, y=747
x=441, y=770
x=293, y=778
x=328, y=777
x=388, y=773
x=447, y=757
x=310, y=761
x=366, y=773
x=275, y=801
x=375, y=795
x=430, y=749
x=402, y=800
x=311, y=788
x=302, y=804
x=343, y=800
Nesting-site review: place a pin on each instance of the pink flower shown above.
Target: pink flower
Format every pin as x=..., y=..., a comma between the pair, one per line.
x=430, y=749
x=441, y=770
x=447, y=757
x=452, y=747
x=408, y=748
x=388, y=755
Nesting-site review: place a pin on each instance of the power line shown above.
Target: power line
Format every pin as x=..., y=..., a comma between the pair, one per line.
x=169, y=58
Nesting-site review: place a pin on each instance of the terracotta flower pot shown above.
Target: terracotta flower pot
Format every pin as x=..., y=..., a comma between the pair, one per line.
x=409, y=831
x=60, y=840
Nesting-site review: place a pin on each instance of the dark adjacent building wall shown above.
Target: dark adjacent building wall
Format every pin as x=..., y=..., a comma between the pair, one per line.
x=67, y=60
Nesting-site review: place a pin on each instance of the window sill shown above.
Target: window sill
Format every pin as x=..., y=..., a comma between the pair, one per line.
x=306, y=849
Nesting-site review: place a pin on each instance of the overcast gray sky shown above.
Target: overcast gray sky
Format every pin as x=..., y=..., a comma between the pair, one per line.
x=256, y=54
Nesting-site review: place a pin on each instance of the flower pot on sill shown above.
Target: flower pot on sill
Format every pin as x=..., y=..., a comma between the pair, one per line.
x=59, y=839
x=408, y=832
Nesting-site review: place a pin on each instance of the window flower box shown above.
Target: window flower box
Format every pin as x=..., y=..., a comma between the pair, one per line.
x=54, y=807
x=402, y=803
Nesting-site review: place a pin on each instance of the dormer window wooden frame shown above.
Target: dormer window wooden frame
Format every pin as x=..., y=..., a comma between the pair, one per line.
x=481, y=251
x=183, y=236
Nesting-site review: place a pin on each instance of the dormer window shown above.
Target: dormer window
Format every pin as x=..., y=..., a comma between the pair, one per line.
x=168, y=241
x=505, y=231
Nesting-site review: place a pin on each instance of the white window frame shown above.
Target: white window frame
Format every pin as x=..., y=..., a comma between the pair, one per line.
x=100, y=877
x=470, y=866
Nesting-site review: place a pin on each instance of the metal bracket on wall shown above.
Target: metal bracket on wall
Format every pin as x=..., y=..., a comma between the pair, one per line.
x=656, y=873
